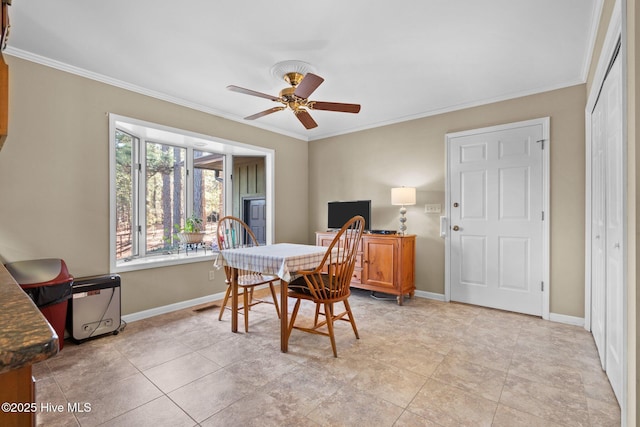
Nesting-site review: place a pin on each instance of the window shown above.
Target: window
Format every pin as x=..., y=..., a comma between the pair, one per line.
x=164, y=196
x=162, y=177
x=155, y=175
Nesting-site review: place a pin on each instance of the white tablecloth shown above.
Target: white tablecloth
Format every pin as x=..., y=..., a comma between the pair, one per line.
x=280, y=259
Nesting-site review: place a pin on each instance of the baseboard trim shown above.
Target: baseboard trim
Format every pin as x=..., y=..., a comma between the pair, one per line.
x=569, y=320
x=429, y=295
x=144, y=314
x=553, y=317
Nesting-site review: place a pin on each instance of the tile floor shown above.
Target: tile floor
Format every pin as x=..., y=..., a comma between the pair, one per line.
x=426, y=363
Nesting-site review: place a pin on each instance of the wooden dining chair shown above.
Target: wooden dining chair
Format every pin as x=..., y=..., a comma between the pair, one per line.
x=329, y=283
x=234, y=233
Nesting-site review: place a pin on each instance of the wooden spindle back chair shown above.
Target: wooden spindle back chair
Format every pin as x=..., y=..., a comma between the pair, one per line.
x=329, y=283
x=234, y=233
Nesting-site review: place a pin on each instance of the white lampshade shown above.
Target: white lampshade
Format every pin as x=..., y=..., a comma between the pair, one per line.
x=403, y=196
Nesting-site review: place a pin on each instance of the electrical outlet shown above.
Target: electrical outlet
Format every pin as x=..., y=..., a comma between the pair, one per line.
x=433, y=208
x=212, y=275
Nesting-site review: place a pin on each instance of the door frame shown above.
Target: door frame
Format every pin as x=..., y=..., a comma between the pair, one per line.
x=616, y=31
x=545, y=123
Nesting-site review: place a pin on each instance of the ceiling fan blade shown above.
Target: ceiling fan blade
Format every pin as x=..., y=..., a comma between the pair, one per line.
x=334, y=106
x=309, y=83
x=306, y=119
x=252, y=92
x=264, y=113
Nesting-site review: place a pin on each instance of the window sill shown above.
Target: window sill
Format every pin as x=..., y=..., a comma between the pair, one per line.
x=164, y=261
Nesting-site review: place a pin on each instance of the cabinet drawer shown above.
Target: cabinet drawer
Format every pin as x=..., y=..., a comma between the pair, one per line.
x=324, y=240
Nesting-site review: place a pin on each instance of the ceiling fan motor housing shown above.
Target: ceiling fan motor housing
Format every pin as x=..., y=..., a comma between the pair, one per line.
x=290, y=100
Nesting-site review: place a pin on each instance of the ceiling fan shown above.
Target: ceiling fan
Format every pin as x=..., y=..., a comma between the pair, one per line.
x=296, y=98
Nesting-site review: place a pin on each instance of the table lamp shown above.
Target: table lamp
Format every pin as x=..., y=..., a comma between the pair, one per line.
x=403, y=196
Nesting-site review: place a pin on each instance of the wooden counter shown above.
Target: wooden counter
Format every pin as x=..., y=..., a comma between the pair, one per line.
x=25, y=338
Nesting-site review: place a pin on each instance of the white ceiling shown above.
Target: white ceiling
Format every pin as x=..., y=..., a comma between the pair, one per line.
x=400, y=59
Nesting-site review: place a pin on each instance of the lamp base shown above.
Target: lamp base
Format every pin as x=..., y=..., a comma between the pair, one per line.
x=403, y=219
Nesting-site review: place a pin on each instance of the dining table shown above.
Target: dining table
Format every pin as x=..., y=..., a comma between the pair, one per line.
x=282, y=260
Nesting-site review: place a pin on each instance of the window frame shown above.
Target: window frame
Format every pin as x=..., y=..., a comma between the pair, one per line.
x=153, y=132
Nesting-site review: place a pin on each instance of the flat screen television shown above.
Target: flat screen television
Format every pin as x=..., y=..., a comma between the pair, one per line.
x=341, y=212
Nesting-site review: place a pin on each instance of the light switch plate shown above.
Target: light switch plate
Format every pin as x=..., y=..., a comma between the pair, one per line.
x=435, y=208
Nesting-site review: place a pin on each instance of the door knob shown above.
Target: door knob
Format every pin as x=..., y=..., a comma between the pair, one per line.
x=456, y=228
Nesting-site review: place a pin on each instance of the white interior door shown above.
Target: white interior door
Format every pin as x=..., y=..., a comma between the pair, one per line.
x=615, y=208
x=598, y=232
x=495, y=205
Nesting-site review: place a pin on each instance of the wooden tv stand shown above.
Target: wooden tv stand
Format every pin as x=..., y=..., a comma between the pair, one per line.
x=386, y=263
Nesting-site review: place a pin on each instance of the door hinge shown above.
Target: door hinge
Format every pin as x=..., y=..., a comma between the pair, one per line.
x=542, y=286
x=543, y=215
x=139, y=167
x=541, y=141
x=139, y=229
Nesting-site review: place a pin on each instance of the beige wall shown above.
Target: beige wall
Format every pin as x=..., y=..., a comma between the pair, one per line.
x=365, y=165
x=54, y=187
x=59, y=124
